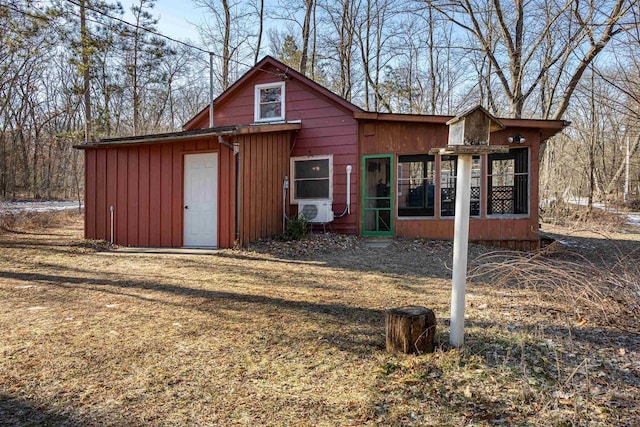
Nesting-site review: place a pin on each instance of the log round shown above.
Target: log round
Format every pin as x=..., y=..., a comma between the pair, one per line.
x=410, y=329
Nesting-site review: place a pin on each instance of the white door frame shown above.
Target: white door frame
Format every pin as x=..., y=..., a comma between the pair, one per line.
x=200, y=200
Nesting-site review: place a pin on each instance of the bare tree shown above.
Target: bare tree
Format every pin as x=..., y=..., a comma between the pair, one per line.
x=523, y=57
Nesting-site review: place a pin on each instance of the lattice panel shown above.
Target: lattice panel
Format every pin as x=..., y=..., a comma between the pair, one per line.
x=475, y=193
x=502, y=200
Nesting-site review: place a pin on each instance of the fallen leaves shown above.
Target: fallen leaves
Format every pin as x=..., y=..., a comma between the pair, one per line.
x=290, y=333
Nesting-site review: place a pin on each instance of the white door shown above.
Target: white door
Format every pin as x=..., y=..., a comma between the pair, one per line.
x=201, y=200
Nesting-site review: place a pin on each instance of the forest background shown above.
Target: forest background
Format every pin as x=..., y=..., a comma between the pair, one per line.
x=72, y=70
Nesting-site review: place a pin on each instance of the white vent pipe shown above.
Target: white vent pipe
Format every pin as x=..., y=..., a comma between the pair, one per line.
x=112, y=212
x=349, y=189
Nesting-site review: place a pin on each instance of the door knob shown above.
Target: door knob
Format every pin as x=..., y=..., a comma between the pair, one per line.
x=186, y=207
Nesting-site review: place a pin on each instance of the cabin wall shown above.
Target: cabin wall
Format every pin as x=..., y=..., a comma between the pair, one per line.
x=327, y=128
x=265, y=163
x=144, y=184
x=402, y=138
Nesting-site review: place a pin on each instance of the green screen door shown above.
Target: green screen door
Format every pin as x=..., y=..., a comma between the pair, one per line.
x=377, y=182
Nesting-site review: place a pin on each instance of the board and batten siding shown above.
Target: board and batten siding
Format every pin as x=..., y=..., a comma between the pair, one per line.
x=265, y=162
x=400, y=138
x=327, y=128
x=144, y=184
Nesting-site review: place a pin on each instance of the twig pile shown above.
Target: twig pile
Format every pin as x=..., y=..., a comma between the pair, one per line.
x=606, y=295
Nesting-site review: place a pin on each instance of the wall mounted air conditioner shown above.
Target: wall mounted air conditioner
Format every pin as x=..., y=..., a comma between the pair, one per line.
x=316, y=211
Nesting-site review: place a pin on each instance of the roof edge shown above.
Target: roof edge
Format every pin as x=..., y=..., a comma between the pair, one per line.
x=192, y=134
x=397, y=117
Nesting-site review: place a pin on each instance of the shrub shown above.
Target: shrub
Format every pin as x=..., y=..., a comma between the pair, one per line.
x=295, y=229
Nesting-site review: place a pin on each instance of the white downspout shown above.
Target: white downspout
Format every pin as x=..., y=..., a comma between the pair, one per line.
x=285, y=187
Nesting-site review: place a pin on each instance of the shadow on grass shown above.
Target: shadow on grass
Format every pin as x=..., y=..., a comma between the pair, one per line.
x=368, y=322
x=18, y=412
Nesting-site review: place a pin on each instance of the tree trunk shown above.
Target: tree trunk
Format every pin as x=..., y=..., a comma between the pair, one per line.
x=260, y=31
x=410, y=330
x=226, y=55
x=86, y=76
x=306, y=31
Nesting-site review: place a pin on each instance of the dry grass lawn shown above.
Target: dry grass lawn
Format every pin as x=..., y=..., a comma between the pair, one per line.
x=288, y=335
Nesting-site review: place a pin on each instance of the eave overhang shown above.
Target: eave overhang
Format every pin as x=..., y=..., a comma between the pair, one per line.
x=192, y=134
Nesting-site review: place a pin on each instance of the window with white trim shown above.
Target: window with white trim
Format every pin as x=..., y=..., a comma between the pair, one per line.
x=508, y=183
x=269, y=102
x=311, y=178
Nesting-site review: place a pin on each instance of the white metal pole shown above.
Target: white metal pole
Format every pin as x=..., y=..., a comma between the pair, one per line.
x=211, y=89
x=460, y=248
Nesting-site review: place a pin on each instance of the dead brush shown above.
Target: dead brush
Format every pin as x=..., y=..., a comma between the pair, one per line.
x=606, y=296
x=576, y=216
x=11, y=222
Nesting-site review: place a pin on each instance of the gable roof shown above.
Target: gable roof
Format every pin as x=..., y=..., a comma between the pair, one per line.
x=285, y=72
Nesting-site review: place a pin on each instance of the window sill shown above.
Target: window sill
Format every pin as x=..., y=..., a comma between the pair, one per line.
x=274, y=120
x=413, y=218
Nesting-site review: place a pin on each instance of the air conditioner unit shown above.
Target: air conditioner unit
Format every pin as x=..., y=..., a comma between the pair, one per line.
x=316, y=211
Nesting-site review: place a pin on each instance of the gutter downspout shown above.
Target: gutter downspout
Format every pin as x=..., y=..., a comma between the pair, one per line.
x=236, y=153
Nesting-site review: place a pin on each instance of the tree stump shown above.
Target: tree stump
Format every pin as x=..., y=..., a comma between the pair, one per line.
x=410, y=329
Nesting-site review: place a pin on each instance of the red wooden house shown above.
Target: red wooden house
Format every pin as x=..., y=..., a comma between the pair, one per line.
x=280, y=144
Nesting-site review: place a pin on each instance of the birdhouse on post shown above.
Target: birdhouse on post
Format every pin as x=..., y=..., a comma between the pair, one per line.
x=472, y=128
x=468, y=136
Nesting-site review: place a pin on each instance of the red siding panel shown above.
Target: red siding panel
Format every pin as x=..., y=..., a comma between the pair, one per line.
x=155, y=206
x=177, y=201
x=145, y=185
x=112, y=189
x=225, y=197
x=265, y=163
x=122, y=209
x=101, y=194
x=166, y=194
x=132, y=196
x=143, y=196
x=91, y=187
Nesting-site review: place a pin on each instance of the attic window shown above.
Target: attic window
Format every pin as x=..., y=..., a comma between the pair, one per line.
x=269, y=102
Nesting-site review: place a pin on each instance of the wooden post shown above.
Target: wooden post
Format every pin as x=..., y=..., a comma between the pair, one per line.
x=410, y=329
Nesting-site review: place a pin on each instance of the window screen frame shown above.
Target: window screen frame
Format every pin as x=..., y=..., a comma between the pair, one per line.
x=479, y=177
x=416, y=212
x=511, y=155
x=293, y=179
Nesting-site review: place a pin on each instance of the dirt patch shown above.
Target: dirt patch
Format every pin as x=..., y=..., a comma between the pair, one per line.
x=289, y=334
